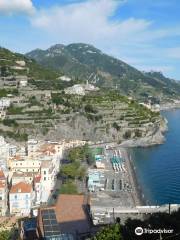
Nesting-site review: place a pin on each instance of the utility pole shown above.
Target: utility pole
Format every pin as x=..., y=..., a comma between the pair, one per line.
x=169, y=208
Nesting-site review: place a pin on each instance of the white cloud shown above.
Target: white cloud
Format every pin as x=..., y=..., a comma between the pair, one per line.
x=93, y=22
x=89, y=21
x=16, y=6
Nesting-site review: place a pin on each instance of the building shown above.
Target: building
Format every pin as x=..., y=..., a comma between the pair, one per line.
x=21, y=63
x=21, y=197
x=18, y=177
x=29, y=229
x=65, y=78
x=5, y=102
x=23, y=83
x=71, y=220
x=48, y=180
x=38, y=189
x=3, y=194
x=24, y=165
x=95, y=180
x=76, y=89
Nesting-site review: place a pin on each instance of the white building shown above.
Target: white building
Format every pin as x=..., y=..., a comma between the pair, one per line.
x=48, y=180
x=38, y=190
x=23, y=83
x=21, y=199
x=77, y=89
x=24, y=165
x=5, y=102
x=18, y=177
x=21, y=63
x=4, y=153
x=65, y=78
x=3, y=194
x=32, y=147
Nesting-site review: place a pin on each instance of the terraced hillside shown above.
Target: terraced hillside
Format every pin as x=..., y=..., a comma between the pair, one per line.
x=103, y=116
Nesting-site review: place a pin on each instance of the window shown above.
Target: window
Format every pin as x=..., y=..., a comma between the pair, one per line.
x=15, y=196
x=44, y=178
x=44, y=172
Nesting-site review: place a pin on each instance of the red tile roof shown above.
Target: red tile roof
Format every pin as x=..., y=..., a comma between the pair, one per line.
x=70, y=208
x=2, y=176
x=2, y=184
x=21, y=187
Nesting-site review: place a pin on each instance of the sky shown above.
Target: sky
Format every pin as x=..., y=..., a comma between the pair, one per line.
x=143, y=33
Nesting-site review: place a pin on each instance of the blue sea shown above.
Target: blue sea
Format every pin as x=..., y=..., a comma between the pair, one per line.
x=158, y=167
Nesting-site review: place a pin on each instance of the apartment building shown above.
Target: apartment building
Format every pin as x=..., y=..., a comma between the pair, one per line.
x=21, y=198
x=3, y=193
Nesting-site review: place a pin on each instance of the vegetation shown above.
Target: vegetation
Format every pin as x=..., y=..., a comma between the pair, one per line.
x=73, y=170
x=77, y=61
x=14, y=110
x=109, y=233
x=68, y=188
x=116, y=126
x=127, y=134
x=5, y=235
x=5, y=91
x=155, y=221
x=10, y=122
x=18, y=136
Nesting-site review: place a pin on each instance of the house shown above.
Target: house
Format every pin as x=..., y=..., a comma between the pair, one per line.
x=21, y=197
x=22, y=177
x=3, y=194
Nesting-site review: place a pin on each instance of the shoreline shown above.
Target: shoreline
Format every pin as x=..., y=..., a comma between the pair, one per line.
x=138, y=193
x=169, y=106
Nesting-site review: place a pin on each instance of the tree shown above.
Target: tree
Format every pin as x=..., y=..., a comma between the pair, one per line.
x=5, y=235
x=127, y=134
x=68, y=188
x=109, y=233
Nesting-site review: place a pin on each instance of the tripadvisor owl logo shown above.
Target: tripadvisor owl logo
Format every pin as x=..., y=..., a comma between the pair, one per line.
x=139, y=231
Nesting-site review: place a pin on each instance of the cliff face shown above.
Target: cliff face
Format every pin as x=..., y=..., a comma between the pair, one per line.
x=109, y=118
x=155, y=136
x=82, y=129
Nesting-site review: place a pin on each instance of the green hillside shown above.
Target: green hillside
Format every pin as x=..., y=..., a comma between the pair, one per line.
x=32, y=69
x=85, y=62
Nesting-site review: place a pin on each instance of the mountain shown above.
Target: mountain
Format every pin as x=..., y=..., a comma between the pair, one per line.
x=85, y=62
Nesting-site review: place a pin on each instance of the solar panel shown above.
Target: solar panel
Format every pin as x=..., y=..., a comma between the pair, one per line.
x=51, y=226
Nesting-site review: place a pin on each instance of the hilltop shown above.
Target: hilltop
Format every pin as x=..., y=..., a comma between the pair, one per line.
x=85, y=62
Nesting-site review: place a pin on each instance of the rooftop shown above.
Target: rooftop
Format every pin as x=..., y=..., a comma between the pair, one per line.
x=21, y=187
x=2, y=176
x=70, y=214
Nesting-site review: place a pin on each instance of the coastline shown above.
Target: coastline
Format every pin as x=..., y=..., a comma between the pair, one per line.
x=169, y=106
x=137, y=194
